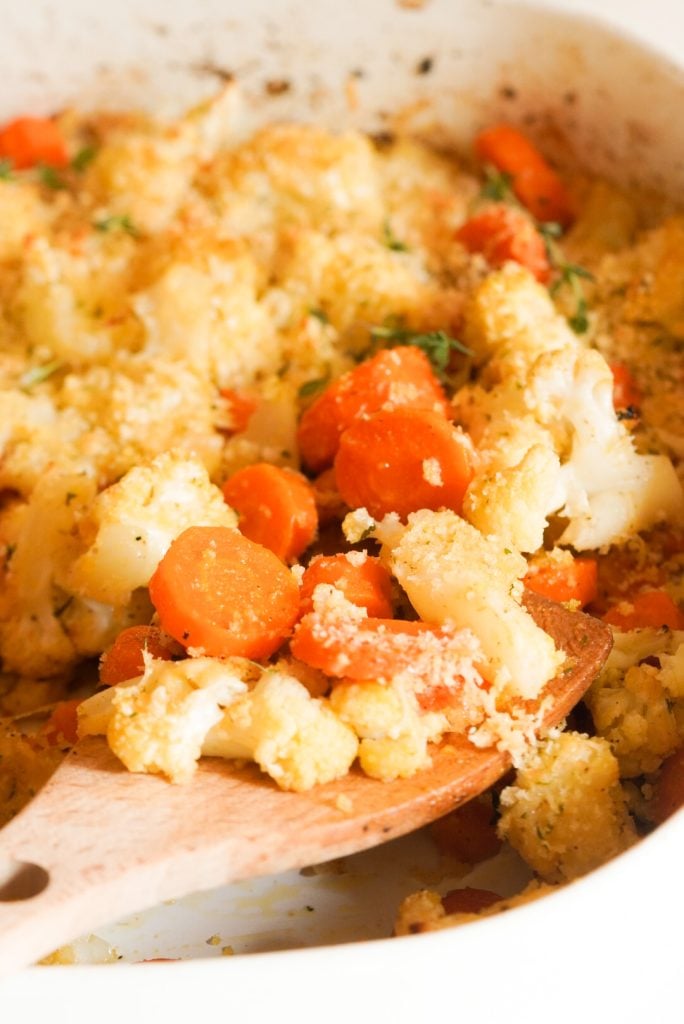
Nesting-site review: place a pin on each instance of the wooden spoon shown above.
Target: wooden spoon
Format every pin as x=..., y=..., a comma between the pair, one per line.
x=98, y=843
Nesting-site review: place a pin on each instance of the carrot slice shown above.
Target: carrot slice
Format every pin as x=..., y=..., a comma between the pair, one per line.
x=365, y=583
x=401, y=460
x=242, y=408
x=366, y=648
x=626, y=392
x=277, y=508
x=648, y=609
x=502, y=233
x=28, y=141
x=468, y=833
x=534, y=181
x=124, y=659
x=469, y=900
x=398, y=376
x=62, y=725
x=559, y=581
x=218, y=591
x=668, y=794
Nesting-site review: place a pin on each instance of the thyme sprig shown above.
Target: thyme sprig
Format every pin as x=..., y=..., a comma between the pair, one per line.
x=568, y=276
x=438, y=346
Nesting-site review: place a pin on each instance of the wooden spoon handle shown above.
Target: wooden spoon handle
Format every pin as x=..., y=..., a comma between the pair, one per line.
x=98, y=843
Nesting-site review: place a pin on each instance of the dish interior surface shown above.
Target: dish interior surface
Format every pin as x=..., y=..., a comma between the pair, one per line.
x=441, y=71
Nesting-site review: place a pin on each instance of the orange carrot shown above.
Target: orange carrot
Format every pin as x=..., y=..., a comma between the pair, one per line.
x=364, y=583
x=468, y=833
x=370, y=648
x=328, y=499
x=469, y=900
x=626, y=392
x=242, y=407
x=574, y=581
x=401, y=460
x=502, y=233
x=124, y=659
x=647, y=609
x=62, y=725
x=28, y=141
x=276, y=506
x=218, y=591
x=398, y=376
x=534, y=181
x=668, y=794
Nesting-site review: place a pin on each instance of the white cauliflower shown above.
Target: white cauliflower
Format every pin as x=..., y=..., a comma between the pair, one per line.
x=393, y=734
x=293, y=737
x=566, y=813
x=158, y=722
x=44, y=628
x=587, y=470
x=454, y=575
x=637, y=701
x=131, y=525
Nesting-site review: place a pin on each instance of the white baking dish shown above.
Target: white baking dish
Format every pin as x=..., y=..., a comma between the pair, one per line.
x=600, y=947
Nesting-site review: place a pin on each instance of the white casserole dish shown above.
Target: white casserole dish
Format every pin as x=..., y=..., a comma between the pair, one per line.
x=601, y=945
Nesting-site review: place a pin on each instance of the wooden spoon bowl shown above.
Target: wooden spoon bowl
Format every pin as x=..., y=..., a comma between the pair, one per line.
x=98, y=842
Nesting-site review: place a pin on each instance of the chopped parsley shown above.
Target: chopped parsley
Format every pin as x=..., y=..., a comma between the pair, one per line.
x=437, y=345
x=117, y=222
x=320, y=314
x=569, y=276
x=498, y=185
x=312, y=387
x=83, y=158
x=390, y=239
x=6, y=170
x=38, y=374
x=49, y=177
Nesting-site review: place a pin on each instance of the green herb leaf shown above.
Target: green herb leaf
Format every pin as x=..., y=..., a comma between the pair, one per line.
x=570, y=275
x=437, y=345
x=49, y=177
x=320, y=314
x=38, y=374
x=498, y=185
x=311, y=387
x=83, y=158
x=550, y=229
x=117, y=222
x=6, y=170
x=579, y=321
x=390, y=239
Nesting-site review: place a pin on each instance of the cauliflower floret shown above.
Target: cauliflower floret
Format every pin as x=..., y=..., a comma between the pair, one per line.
x=357, y=278
x=137, y=408
x=514, y=502
x=132, y=524
x=40, y=619
x=203, y=298
x=142, y=171
x=566, y=813
x=292, y=174
x=637, y=707
x=34, y=435
x=537, y=367
x=393, y=734
x=293, y=737
x=158, y=723
x=22, y=214
x=71, y=292
x=452, y=574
